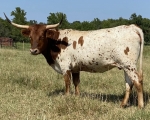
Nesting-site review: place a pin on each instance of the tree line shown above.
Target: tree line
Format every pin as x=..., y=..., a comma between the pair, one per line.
x=19, y=16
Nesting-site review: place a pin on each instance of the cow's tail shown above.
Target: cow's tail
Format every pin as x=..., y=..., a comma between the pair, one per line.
x=141, y=35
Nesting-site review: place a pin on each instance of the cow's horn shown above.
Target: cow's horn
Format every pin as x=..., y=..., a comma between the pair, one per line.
x=55, y=25
x=17, y=25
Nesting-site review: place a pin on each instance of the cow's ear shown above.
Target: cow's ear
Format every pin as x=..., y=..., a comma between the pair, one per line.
x=53, y=34
x=25, y=32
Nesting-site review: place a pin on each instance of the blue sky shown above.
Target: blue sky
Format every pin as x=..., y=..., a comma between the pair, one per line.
x=77, y=10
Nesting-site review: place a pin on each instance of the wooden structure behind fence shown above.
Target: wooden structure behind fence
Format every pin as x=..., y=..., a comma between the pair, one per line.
x=7, y=42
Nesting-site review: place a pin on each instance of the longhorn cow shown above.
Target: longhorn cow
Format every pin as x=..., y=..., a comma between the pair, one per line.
x=70, y=51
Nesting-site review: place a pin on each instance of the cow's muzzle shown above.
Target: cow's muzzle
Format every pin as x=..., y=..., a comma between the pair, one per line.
x=34, y=51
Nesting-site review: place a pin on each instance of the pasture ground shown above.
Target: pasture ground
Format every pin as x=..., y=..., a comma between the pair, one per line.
x=31, y=90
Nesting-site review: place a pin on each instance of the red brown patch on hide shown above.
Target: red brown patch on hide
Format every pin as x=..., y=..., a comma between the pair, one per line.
x=65, y=40
x=126, y=50
x=81, y=41
x=74, y=44
x=67, y=78
x=53, y=34
x=54, y=55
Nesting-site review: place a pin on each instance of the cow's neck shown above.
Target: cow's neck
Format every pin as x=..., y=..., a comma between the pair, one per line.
x=47, y=55
x=53, y=49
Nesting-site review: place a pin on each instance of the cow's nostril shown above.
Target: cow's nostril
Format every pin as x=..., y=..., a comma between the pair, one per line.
x=31, y=50
x=35, y=51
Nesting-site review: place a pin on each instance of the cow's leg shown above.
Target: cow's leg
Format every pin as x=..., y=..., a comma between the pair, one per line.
x=76, y=81
x=129, y=85
x=137, y=81
x=67, y=79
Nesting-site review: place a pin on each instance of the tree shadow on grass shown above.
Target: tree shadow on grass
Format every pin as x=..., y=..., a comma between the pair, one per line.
x=107, y=97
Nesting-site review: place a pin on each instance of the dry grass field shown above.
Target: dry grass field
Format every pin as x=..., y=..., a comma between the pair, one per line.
x=31, y=90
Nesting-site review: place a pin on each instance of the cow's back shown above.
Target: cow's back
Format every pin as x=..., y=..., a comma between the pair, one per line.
x=101, y=50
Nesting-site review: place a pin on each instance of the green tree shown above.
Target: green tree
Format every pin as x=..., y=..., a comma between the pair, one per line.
x=86, y=26
x=19, y=18
x=123, y=21
x=106, y=23
x=134, y=19
x=54, y=18
x=31, y=22
x=76, y=25
x=142, y=23
x=146, y=29
x=96, y=24
x=5, y=28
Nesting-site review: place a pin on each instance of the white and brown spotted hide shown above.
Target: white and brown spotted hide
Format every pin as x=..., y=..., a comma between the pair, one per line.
x=100, y=50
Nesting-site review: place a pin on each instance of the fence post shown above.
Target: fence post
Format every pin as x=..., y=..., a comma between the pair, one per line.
x=23, y=45
x=1, y=43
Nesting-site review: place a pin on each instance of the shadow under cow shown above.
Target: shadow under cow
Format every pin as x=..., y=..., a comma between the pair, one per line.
x=106, y=97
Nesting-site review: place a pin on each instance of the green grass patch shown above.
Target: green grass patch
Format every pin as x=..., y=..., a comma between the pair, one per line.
x=31, y=90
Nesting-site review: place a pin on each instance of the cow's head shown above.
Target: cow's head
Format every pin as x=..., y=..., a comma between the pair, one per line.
x=38, y=35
